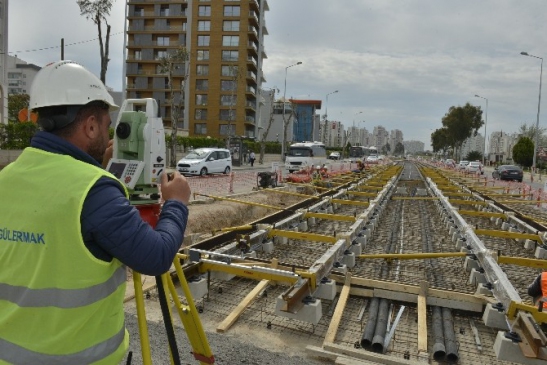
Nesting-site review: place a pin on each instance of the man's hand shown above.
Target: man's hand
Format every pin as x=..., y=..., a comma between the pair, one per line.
x=176, y=188
x=108, y=153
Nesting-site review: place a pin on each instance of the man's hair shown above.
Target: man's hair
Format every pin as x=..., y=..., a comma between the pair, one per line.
x=95, y=108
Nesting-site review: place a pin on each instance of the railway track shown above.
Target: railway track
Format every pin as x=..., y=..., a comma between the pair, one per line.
x=352, y=270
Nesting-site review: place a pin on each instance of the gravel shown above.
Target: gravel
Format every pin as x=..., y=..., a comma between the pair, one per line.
x=227, y=349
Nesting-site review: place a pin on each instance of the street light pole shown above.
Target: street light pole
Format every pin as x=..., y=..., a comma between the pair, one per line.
x=539, y=105
x=353, y=129
x=485, y=122
x=327, y=117
x=284, y=103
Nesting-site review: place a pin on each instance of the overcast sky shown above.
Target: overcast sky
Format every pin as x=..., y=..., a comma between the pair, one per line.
x=402, y=63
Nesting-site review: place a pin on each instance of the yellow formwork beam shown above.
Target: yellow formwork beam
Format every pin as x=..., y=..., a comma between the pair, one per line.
x=507, y=234
x=415, y=198
x=465, y=195
x=248, y=272
x=236, y=228
x=540, y=317
x=306, y=185
x=350, y=202
x=302, y=236
x=334, y=217
x=503, y=195
x=521, y=261
x=482, y=214
x=360, y=193
x=413, y=256
x=467, y=202
x=291, y=193
x=521, y=201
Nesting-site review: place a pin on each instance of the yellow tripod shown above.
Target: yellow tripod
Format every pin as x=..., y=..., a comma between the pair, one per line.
x=188, y=315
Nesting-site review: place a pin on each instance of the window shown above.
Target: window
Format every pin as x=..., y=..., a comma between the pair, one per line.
x=202, y=85
x=230, y=40
x=229, y=71
x=203, y=40
x=201, y=114
x=230, y=26
x=200, y=128
x=203, y=55
x=163, y=41
x=201, y=99
x=204, y=25
x=230, y=55
x=228, y=85
x=204, y=10
x=225, y=129
x=160, y=54
x=138, y=55
x=164, y=10
x=226, y=114
x=139, y=11
x=227, y=100
x=202, y=70
x=231, y=10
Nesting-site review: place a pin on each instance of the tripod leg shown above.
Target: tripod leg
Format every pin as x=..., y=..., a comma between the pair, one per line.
x=167, y=320
x=141, y=319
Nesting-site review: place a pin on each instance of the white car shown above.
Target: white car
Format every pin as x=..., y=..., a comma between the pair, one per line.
x=334, y=156
x=474, y=167
x=462, y=164
x=203, y=161
x=372, y=159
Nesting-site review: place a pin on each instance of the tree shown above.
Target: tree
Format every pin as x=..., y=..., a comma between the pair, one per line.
x=16, y=102
x=461, y=122
x=523, y=151
x=399, y=149
x=474, y=156
x=530, y=132
x=439, y=140
x=386, y=149
x=97, y=11
x=171, y=64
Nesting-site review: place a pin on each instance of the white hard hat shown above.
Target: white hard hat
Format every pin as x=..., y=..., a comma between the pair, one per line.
x=67, y=83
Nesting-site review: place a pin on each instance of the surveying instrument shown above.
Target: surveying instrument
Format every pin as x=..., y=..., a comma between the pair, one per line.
x=138, y=161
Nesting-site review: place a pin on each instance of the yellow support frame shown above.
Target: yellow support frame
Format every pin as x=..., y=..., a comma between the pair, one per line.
x=506, y=234
x=413, y=256
x=414, y=198
x=350, y=202
x=521, y=261
x=302, y=236
x=334, y=217
x=482, y=214
x=360, y=193
x=466, y=202
x=540, y=317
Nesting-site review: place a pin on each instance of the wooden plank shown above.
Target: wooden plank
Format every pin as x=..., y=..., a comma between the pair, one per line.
x=440, y=302
x=340, y=306
x=236, y=313
x=368, y=355
x=422, y=317
x=413, y=289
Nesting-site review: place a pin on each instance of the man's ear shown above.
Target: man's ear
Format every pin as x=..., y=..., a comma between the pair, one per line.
x=91, y=127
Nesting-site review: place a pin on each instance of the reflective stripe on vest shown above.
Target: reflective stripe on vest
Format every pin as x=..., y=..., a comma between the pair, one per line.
x=14, y=354
x=62, y=298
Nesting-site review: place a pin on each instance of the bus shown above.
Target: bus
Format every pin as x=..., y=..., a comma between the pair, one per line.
x=361, y=152
x=305, y=155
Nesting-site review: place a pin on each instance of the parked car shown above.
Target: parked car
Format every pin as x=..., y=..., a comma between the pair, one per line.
x=334, y=156
x=450, y=162
x=508, y=172
x=474, y=167
x=203, y=161
x=372, y=159
x=462, y=164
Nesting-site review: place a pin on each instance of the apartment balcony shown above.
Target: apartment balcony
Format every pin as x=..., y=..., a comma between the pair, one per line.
x=170, y=44
x=249, y=120
x=250, y=105
x=251, y=61
x=154, y=14
x=253, y=33
x=263, y=52
x=252, y=47
x=253, y=18
x=253, y=4
x=250, y=90
x=251, y=76
x=154, y=29
x=138, y=2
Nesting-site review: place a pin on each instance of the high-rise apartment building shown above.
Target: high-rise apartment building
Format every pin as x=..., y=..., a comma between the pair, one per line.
x=225, y=41
x=20, y=75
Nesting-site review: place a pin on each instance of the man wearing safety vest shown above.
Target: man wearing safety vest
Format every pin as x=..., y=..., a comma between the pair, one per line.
x=67, y=230
x=538, y=289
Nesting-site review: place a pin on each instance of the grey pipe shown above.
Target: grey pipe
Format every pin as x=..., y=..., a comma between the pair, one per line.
x=439, y=350
x=450, y=336
x=381, y=327
x=368, y=333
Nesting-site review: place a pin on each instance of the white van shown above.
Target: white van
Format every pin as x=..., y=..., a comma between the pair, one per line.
x=203, y=161
x=305, y=155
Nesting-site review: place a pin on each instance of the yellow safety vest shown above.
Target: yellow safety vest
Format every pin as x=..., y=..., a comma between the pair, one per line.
x=58, y=303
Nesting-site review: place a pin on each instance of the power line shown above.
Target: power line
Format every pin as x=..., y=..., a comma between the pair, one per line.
x=58, y=46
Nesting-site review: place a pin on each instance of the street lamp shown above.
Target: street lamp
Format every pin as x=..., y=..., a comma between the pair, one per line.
x=539, y=104
x=485, y=122
x=284, y=102
x=353, y=129
x=326, y=116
